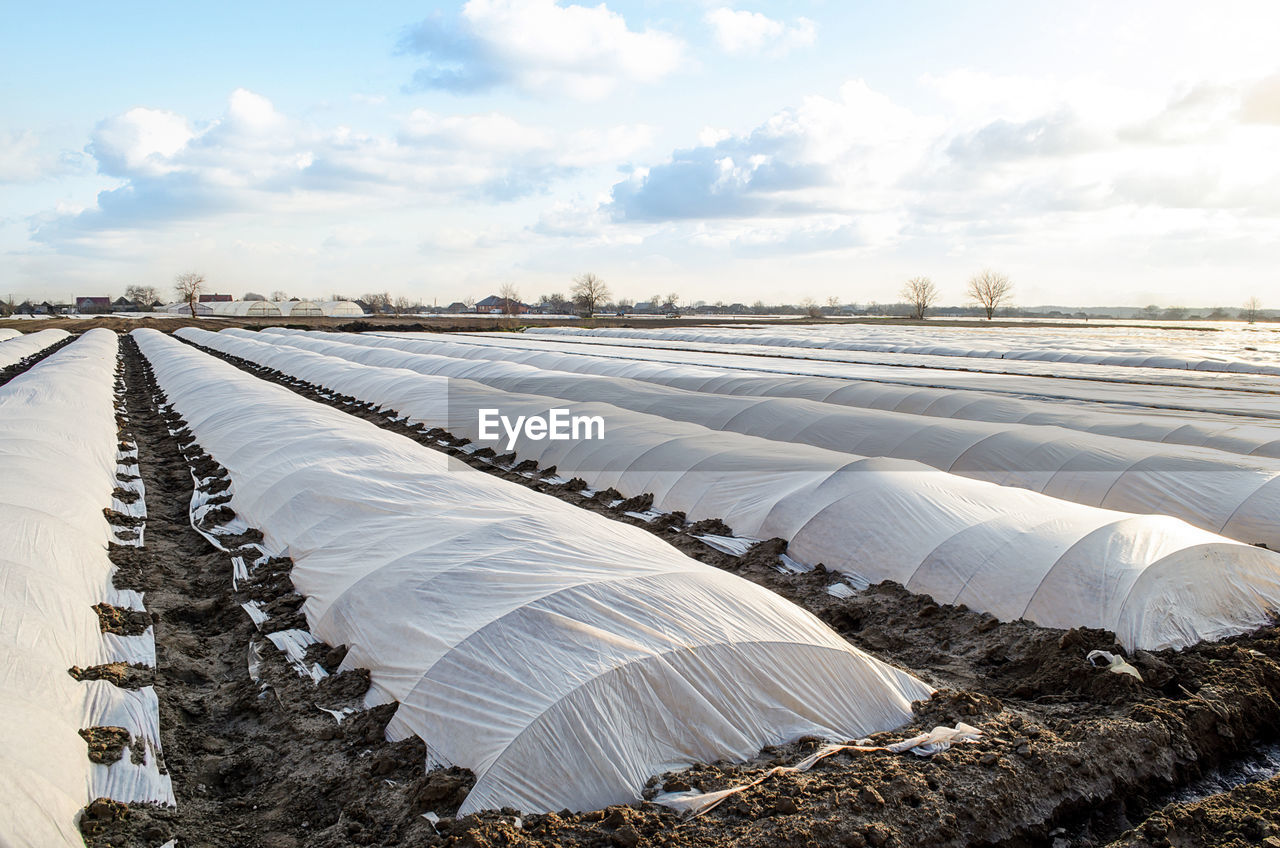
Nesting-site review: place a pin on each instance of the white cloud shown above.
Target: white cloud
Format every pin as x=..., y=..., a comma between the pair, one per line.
x=741, y=31
x=26, y=157
x=254, y=159
x=141, y=141
x=539, y=46
x=821, y=156
x=1261, y=101
x=862, y=172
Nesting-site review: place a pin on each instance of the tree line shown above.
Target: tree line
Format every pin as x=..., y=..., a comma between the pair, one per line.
x=987, y=290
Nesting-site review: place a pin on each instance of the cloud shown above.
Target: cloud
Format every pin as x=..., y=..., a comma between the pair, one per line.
x=1260, y=103
x=255, y=159
x=26, y=157
x=822, y=155
x=1058, y=134
x=538, y=46
x=862, y=172
x=139, y=143
x=740, y=31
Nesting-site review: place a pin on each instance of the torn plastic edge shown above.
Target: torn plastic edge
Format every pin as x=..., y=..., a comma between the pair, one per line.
x=1114, y=664
x=731, y=545
x=691, y=804
x=294, y=644
x=338, y=715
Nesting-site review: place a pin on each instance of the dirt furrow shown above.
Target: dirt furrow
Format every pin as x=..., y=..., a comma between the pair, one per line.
x=254, y=762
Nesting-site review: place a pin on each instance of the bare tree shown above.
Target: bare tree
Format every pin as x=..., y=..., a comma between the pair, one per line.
x=1252, y=307
x=811, y=308
x=588, y=291
x=989, y=289
x=141, y=295
x=253, y=296
x=189, y=286
x=920, y=293
x=377, y=301
x=402, y=304
x=279, y=296
x=673, y=300
x=555, y=303
x=510, y=298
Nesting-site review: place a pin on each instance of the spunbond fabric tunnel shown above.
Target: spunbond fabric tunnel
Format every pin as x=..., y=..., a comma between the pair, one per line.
x=1193, y=392
x=562, y=657
x=1155, y=581
x=915, y=342
x=971, y=403
x=58, y=466
x=14, y=350
x=1234, y=496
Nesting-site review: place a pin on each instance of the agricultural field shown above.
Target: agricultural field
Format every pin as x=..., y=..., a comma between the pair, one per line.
x=672, y=586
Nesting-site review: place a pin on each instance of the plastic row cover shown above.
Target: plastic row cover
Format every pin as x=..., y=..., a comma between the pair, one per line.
x=300, y=308
x=1215, y=390
x=57, y=474
x=17, y=349
x=1155, y=581
x=964, y=404
x=254, y=308
x=1216, y=491
x=856, y=337
x=6, y=334
x=563, y=657
x=341, y=309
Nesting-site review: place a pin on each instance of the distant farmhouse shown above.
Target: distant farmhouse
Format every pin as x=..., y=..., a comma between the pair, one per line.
x=45, y=308
x=93, y=305
x=495, y=304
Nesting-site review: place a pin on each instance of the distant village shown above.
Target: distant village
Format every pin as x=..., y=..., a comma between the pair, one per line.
x=142, y=300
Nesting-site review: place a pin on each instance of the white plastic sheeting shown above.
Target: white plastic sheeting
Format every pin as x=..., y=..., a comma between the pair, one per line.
x=1224, y=493
x=1153, y=580
x=953, y=342
x=185, y=309
x=1215, y=391
x=246, y=308
x=57, y=473
x=300, y=308
x=341, y=309
x=561, y=656
x=6, y=334
x=970, y=403
x=13, y=351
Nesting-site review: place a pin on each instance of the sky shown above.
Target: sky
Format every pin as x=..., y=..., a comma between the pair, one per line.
x=1099, y=153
